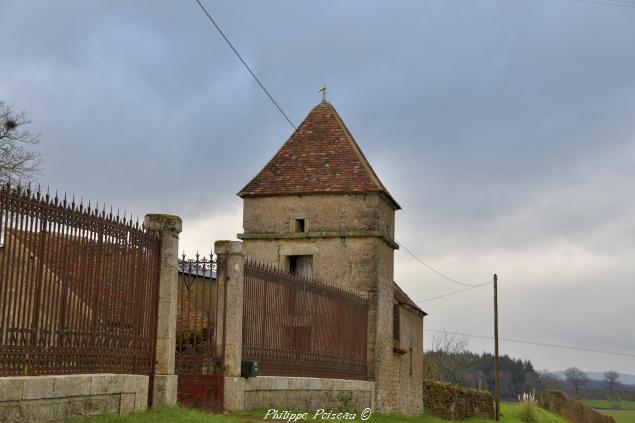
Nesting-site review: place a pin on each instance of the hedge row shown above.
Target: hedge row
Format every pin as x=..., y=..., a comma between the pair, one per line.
x=452, y=402
x=559, y=403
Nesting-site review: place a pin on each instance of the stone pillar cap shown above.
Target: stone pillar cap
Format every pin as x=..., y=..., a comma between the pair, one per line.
x=165, y=222
x=228, y=247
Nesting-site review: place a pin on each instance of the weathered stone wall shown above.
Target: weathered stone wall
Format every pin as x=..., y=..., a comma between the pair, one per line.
x=406, y=372
x=351, y=239
x=61, y=398
x=346, y=262
x=381, y=312
x=322, y=213
x=455, y=403
x=297, y=393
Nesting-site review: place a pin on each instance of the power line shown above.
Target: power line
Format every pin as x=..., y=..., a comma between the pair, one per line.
x=245, y=63
x=453, y=293
x=435, y=270
x=541, y=344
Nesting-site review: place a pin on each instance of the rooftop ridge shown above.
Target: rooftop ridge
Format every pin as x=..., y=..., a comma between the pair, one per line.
x=320, y=157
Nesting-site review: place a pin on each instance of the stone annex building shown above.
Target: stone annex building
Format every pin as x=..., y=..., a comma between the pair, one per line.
x=318, y=209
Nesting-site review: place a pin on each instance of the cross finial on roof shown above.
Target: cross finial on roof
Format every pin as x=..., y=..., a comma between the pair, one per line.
x=323, y=91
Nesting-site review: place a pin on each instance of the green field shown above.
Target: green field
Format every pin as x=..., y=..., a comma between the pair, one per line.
x=621, y=416
x=509, y=414
x=620, y=405
x=621, y=411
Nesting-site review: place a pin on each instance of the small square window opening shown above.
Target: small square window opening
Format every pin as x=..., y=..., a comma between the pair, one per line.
x=299, y=225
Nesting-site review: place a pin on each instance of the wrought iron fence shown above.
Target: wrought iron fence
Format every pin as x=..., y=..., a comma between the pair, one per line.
x=197, y=305
x=294, y=326
x=78, y=288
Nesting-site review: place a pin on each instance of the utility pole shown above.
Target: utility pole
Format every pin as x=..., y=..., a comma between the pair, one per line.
x=496, y=347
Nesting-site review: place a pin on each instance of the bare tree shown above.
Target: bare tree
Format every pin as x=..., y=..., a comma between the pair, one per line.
x=451, y=351
x=430, y=368
x=548, y=381
x=611, y=378
x=576, y=378
x=17, y=158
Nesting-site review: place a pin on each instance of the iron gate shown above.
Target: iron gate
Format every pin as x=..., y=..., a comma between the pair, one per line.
x=78, y=288
x=198, y=357
x=302, y=327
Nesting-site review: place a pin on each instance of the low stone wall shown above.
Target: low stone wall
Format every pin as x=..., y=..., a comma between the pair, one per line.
x=559, y=403
x=298, y=393
x=452, y=402
x=60, y=398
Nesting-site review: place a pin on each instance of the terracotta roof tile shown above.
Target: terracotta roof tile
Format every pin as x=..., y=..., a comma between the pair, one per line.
x=321, y=156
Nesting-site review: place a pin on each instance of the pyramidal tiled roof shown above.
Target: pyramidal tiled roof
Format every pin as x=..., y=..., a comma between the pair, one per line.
x=320, y=157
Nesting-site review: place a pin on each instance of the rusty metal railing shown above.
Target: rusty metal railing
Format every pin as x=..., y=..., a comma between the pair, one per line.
x=197, y=305
x=78, y=287
x=295, y=326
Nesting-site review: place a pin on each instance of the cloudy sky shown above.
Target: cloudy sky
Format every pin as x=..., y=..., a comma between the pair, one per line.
x=504, y=128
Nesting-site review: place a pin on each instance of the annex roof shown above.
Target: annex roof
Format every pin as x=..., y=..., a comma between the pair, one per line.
x=403, y=299
x=320, y=157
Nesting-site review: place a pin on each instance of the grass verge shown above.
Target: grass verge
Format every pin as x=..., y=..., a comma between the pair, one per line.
x=510, y=413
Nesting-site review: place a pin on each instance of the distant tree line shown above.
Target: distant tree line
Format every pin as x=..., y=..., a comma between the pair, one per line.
x=451, y=361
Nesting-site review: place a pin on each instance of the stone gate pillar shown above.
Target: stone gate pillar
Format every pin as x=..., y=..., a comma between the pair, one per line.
x=230, y=274
x=231, y=264
x=164, y=390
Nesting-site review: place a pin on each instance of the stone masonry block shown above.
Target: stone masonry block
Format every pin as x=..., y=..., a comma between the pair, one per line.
x=228, y=247
x=126, y=404
x=78, y=407
x=165, y=356
x=37, y=387
x=141, y=400
x=11, y=388
x=166, y=325
x=46, y=410
x=234, y=393
x=134, y=384
x=10, y=412
x=164, y=390
x=106, y=384
x=71, y=386
x=101, y=404
x=163, y=222
x=168, y=290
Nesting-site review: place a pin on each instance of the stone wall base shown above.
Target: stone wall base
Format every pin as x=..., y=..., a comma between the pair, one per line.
x=61, y=398
x=164, y=392
x=298, y=393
